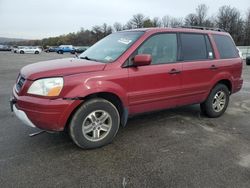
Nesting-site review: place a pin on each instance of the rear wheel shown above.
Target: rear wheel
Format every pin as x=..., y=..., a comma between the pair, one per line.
x=217, y=101
x=94, y=124
x=21, y=52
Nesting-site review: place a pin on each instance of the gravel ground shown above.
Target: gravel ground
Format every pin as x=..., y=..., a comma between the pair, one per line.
x=170, y=148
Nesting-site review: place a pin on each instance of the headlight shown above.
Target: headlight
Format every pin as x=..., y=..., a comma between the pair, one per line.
x=46, y=87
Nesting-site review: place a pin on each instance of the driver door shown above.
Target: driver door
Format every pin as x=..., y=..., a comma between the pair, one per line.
x=156, y=86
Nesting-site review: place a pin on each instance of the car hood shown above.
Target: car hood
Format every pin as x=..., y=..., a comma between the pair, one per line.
x=60, y=67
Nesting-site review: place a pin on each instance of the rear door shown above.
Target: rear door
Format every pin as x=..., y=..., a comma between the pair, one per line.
x=155, y=86
x=199, y=67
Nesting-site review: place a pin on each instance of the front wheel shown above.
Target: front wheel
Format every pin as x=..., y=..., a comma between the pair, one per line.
x=94, y=124
x=217, y=101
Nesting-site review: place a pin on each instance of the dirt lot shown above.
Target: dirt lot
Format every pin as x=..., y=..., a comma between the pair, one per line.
x=171, y=148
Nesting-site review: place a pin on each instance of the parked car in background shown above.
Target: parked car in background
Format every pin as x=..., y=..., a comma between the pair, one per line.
x=248, y=60
x=28, y=50
x=79, y=49
x=5, y=48
x=64, y=48
x=14, y=49
x=51, y=49
x=240, y=53
x=128, y=73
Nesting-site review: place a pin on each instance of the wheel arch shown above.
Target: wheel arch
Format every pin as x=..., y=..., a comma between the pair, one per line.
x=227, y=83
x=223, y=78
x=109, y=96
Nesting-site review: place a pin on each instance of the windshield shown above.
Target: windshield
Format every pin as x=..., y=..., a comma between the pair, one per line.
x=111, y=47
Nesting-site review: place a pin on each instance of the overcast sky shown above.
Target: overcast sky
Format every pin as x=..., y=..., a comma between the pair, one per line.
x=36, y=19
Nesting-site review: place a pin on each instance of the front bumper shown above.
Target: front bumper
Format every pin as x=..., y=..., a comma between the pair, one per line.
x=46, y=114
x=23, y=117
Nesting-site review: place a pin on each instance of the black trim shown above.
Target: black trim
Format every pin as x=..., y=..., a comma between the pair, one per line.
x=178, y=47
x=12, y=101
x=73, y=98
x=202, y=28
x=124, y=117
x=207, y=39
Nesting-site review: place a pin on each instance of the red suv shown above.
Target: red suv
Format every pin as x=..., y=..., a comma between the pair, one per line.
x=127, y=73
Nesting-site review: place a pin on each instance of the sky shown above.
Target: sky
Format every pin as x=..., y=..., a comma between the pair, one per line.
x=37, y=19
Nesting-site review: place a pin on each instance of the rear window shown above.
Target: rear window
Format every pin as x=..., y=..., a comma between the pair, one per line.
x=226, y=46
x=193, y=47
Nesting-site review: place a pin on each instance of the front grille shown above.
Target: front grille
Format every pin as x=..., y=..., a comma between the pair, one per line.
x=20, y=82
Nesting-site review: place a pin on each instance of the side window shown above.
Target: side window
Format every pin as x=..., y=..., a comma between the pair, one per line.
x=193, y=47
x=226, y=46
x=162, y=48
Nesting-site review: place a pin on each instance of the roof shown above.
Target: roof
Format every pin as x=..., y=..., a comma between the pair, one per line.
x=181, y=29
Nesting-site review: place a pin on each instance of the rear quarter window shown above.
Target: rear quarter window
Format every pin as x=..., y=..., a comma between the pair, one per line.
x=225, y=46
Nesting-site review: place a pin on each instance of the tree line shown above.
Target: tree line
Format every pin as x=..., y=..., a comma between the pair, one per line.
x=227, y=18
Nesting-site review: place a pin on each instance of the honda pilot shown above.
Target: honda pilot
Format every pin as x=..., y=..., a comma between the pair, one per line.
x=127, y=73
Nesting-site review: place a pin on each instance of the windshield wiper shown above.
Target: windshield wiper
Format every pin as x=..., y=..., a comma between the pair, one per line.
x=87, y=58
x=91, y=59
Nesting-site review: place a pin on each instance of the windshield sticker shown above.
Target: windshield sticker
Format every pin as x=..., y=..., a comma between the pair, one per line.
x=124, y=41
x=108, y=58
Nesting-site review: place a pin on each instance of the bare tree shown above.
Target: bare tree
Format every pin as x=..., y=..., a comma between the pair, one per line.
x=156, y=22
x=191, y=20
x=148, y=23
x=199, y=18
x=227, y=18
x=106, y=29
x=136, y=21
x=247, y=29
x=230, y=20
x=97, y=32
x=176, y=22
x=166, y=21
x=129, y=25
x=118, y=26
x=201, y=14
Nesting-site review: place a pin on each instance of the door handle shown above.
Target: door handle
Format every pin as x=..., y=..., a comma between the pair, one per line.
x=174, y=71
x=213, y=67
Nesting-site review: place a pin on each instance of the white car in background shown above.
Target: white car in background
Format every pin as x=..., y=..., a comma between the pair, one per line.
x=28, y=50
x=240, y=53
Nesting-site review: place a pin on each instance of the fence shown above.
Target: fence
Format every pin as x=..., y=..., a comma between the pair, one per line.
x=245, y=50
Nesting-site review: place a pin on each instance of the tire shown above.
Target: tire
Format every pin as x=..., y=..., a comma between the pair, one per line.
x=36, y=52
x=217, y=101
x=60, y=52
x=89, y=115
x=21, y=52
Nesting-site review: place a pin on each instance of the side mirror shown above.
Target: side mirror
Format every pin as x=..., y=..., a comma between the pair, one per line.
x=142, y=60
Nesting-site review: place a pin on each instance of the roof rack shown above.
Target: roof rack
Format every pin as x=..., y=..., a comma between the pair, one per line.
x=203, y=28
